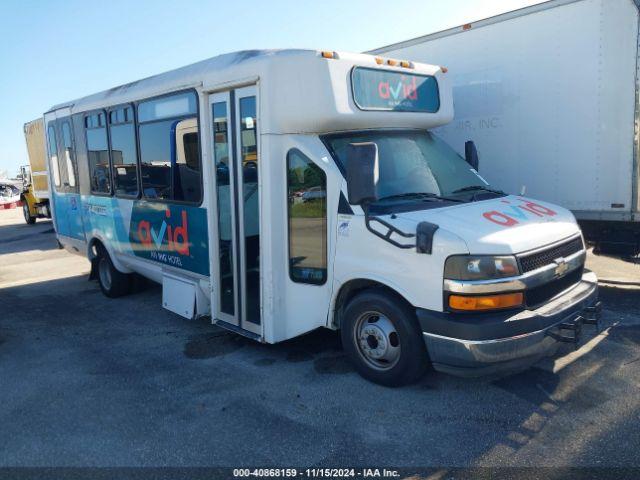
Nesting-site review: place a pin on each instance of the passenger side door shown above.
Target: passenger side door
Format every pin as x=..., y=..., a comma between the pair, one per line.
x=58, y=178
x=236, y=271
x=312, y=193
x=75, y=228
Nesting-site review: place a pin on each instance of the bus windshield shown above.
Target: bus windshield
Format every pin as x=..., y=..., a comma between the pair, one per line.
x=411, y=162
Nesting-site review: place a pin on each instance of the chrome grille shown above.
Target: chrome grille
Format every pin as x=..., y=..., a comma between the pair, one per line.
x=542, y=294
x=533, y=261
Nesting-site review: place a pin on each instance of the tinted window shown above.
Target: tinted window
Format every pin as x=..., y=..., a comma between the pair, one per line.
x=248, y=131
x=123, y=152
x=169, y=148
x=251, y=207
x=191, y=150
x=66, y=135
x=187, y=186
x=307, y=199
x=69, y=153
x=98, y=153
x=181, y=105
x=221, y=158
x=53, y=155
x=155, y=159
x=375, y=89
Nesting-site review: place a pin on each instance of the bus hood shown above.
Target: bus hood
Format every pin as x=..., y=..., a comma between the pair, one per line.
x=500, y=226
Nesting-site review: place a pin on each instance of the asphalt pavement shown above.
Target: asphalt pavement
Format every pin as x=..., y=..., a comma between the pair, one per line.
x=90, y=381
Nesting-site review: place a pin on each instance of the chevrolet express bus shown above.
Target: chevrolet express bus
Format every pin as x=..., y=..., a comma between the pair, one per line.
x=277, y=192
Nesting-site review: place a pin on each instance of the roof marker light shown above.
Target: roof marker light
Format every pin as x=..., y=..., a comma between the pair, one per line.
x=406, y=64
x=466, y=26
x=379, y=61
x=327, y=54
x=444, y=69
x=391, y=62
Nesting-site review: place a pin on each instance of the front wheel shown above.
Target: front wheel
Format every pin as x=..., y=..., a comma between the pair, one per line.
x=27, y=214
x=113, y=282
x=383, y=340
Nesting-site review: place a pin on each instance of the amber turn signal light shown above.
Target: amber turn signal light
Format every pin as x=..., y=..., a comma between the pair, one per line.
x=485, y=302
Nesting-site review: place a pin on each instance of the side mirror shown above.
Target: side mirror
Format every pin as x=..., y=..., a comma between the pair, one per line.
x=471, y=154
x=362, y=172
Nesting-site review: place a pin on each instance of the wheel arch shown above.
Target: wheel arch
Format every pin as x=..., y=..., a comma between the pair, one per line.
x=354, y=286
x=93, y=245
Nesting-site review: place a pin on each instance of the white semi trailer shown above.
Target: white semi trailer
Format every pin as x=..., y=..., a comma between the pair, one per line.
x=549, y=93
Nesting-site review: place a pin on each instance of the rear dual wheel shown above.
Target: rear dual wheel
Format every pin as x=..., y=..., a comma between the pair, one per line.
x=381, y=336
x=113, y=282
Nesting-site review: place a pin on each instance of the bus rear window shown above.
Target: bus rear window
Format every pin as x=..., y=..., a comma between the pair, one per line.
x=375, y=89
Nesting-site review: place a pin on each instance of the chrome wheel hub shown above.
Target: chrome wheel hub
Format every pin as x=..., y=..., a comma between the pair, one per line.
x=377, y=340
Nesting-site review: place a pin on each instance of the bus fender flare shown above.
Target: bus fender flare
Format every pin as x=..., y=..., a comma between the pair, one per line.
x=96, y=243
x=347, y=288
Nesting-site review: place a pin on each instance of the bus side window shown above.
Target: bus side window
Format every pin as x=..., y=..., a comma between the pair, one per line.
x=169, y=148
x=307, y=212
x=123, y=152
x=187, y=185
x=53, y=154
x=69, y=153
x=98, y=153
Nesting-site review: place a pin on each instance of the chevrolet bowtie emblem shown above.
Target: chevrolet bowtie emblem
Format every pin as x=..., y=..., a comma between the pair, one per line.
x=561, y=267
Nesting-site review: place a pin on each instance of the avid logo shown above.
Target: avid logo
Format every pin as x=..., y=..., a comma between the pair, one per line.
x=175, y=238
x=515, y=214
x=403, y=90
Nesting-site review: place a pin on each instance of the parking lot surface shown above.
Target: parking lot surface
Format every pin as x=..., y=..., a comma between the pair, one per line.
x=89, y=381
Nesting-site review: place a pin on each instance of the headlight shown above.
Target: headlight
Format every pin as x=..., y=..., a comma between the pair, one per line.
x=480, y=267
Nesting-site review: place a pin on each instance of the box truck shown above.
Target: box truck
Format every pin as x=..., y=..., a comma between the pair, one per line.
x=35, y=187
x=549, y=93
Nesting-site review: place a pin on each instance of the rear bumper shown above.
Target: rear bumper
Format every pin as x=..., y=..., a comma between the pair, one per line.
x=473, y=345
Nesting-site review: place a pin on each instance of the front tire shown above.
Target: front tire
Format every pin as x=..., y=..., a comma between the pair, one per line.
x=27, y=214
x=381, y=336
x=113, y=282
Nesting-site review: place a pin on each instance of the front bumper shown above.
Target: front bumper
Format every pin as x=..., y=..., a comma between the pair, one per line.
x=479, y=344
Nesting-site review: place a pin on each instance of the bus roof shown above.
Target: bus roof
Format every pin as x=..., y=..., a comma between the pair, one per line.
x=304, y=91
x=186, y=76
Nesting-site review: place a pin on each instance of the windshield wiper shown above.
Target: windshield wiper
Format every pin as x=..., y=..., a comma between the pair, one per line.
x=473, y=188
x=420, y=195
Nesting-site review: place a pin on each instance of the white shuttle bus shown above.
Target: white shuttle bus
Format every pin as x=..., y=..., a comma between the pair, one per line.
x=277, y=192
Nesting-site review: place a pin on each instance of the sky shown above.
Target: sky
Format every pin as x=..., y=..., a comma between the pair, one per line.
x=53, y=51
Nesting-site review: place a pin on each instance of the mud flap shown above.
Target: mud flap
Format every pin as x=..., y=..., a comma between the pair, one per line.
x=179, y=295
